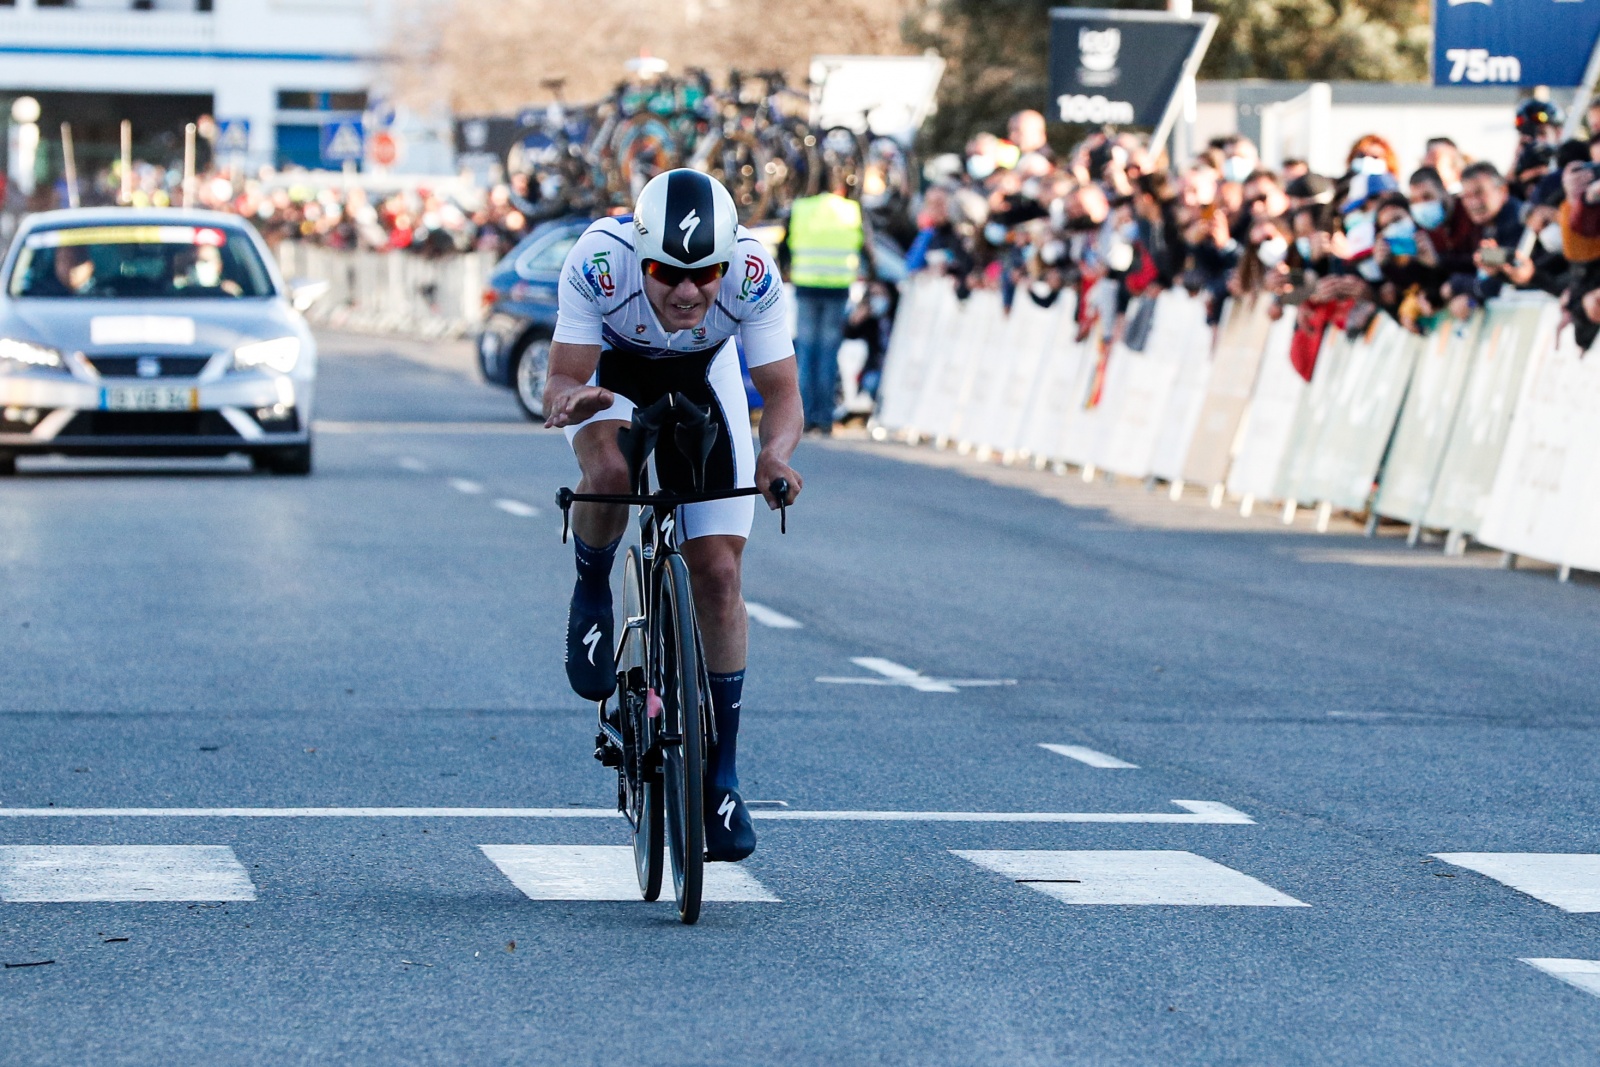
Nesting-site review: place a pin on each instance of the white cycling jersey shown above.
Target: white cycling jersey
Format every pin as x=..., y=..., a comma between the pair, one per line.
x=602, y=301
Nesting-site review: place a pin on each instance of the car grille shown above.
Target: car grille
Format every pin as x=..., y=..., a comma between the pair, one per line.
x=168, y=366
x=148, y=424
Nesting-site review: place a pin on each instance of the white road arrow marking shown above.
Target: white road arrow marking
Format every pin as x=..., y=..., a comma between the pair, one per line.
x=899, y=674
x=1090, y=757
x=767, y=617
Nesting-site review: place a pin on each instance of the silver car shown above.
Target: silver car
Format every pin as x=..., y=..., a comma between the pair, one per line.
x=159, y=332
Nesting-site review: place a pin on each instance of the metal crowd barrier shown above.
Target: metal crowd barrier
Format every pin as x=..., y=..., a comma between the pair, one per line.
x=392, y=292
x=1487, y=430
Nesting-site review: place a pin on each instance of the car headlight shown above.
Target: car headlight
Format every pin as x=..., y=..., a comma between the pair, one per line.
x=19, y=355
x=279, y=354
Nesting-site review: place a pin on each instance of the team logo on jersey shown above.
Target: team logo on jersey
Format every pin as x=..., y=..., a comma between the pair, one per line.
x=597, y=272
x=756, y=279
x=641, y=328
x=699, y=333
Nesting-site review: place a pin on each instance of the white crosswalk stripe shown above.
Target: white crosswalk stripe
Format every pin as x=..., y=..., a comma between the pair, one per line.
x=61, y=873
x=1584, y=974
x=605, y=872
x=1569, y=880
x=1131, y=877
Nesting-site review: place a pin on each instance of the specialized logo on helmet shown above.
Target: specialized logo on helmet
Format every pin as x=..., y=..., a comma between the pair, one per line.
x=690, y=222
x=756, y=279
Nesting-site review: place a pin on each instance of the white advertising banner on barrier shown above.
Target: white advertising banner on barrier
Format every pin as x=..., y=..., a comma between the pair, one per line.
x=1513, y=328
x=1537, y=507
x=1437, y=386
x=925, y=301
x=1315, y=412
x=1058, y=391
x=997, y=425
x=1365, y=404
x=1241, y=340
x=1269, y=419
x=1187, y=334
x=971, y=342
x=1140, y=384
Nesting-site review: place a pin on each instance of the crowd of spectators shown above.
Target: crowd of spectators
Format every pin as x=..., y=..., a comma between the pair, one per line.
x=1424, y=245
x=288, y=206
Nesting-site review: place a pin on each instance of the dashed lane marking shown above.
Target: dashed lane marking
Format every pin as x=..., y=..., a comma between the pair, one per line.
x=517, y=508
x=1195, y=812
x=1584, y=974
x=605, y=872
x=777, y=620
x=1091, y=757
x=1131, y=877
x=62, y=873
x=336, y=426
x=466, y=485
x=897, y=674
x=1569, y=880
x=413, y=464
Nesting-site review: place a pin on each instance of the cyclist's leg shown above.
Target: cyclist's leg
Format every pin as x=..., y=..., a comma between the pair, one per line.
x=597, y=531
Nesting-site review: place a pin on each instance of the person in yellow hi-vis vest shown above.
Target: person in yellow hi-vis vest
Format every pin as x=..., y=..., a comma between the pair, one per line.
x=825, y=242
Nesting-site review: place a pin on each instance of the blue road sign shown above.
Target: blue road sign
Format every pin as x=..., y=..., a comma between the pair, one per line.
x=1513, y=42
x=343, y=142
x=233, y=136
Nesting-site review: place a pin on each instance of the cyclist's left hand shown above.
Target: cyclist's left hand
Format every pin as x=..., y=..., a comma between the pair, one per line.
x=769, y=468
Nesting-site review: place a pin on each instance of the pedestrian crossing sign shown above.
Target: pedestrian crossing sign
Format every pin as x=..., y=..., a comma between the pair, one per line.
x=342, y=142
x=233, y=135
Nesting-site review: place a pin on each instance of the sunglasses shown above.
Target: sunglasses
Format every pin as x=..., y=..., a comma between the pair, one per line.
x=671, y=276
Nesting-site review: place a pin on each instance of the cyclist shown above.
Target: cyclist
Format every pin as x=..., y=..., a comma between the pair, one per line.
x=652, y=304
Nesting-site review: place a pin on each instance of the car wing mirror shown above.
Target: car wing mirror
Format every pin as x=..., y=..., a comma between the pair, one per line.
x=303, y=292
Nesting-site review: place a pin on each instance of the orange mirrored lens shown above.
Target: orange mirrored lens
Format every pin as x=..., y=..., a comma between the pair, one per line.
x=670, y=276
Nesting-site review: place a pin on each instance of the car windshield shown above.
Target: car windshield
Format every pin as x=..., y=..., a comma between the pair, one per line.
x=139, y=262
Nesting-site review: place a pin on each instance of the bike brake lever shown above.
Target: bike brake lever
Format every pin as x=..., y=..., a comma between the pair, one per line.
x=564, y=502
x=780, y=489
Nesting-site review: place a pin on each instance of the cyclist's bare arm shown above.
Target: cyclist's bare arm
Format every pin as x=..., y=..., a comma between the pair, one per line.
x=568, y=397
x=782, y=422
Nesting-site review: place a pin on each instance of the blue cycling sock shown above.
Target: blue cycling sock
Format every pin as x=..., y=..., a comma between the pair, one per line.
x=726, y=692
x=593, y=591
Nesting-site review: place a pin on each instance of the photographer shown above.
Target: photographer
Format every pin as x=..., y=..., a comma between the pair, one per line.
x=1538, y=132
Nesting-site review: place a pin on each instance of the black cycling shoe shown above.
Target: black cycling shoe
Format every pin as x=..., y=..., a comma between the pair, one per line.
x=591, y=668
x=729, y=835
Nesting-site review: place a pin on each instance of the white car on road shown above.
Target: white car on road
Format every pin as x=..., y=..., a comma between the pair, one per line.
x=152, y=332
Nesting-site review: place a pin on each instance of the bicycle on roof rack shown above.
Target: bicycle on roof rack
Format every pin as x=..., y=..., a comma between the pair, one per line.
x=658, y=735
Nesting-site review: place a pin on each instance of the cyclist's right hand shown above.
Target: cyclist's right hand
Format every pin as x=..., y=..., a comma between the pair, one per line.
x=577, y=405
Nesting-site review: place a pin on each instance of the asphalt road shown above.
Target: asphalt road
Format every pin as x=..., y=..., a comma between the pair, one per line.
x=1338, y=712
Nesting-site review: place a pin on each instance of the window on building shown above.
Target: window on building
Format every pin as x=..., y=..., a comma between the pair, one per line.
x=202, y=5
x=55, y=3
x=311, y=100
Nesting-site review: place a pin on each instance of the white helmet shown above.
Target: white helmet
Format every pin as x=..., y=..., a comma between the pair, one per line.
x=686, y=219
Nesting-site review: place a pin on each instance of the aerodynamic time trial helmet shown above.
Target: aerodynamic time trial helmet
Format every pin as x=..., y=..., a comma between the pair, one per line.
x=685, y=219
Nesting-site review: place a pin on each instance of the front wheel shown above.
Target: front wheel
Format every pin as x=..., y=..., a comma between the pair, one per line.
x=644, y=796
x=676, y=655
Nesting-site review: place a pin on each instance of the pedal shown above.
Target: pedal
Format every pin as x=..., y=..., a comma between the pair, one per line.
x=606, y=752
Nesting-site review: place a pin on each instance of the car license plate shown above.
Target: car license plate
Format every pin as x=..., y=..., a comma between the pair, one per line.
x=149, y=398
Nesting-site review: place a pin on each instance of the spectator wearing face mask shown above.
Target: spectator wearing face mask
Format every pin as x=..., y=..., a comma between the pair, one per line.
x=870, y=320
x=1448, y=237
x=1409, y=287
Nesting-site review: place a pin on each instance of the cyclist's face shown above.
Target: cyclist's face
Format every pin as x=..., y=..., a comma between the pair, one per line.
x=682, y=306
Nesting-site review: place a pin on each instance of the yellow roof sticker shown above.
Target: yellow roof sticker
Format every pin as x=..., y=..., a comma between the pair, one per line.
x=126, y=235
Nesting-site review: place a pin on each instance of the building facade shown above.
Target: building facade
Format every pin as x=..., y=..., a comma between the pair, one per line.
x=277, y=75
